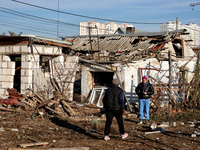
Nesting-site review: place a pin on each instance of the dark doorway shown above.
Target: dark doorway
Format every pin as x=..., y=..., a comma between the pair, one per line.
x=102, y=78
x=17, y=77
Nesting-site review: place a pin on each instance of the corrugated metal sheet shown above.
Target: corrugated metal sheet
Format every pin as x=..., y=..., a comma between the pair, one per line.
x=111, y=44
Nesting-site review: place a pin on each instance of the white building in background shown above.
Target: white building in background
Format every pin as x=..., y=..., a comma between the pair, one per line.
x=97, y=28
x=193, y=29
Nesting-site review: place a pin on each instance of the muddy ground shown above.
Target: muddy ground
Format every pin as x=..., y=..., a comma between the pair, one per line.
x=20, y=128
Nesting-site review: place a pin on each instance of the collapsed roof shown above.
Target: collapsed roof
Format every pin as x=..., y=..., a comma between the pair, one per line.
x=124, y=47
x=26, y=39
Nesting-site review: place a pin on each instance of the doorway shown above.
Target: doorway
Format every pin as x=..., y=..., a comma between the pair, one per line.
x=17, y=76
x=102, y=78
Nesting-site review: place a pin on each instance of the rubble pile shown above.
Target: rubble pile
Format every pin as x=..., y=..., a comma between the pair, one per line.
x=38, y=104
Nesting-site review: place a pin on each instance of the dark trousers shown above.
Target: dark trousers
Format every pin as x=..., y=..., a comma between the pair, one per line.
x=109, y=117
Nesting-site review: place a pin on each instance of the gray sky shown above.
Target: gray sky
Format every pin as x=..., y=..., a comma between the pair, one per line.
x=138, y=11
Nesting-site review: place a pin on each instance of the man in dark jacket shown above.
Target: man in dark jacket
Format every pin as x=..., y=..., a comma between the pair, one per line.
x=114, y=105
x=144, y=91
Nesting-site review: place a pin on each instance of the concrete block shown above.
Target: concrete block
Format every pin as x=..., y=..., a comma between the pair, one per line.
x=2, y=92
x=8, y=71
x=7, y=85
x=17, y=49
x=26, y=80
x=11, y=65
x=2, y=50
x=4, y=65
x=25, y=86
x=25, y=49
x=36, y=58
x=35, y=65
x=39, y=50
x=27, y=72
x=6, y=58
x=9, y=49
x=27, y=65
x=48, y=50
x=6, y=78
x=29, y=58
x=57, y=51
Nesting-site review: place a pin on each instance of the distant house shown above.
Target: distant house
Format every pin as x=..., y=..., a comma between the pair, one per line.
x=31, y=62
x=130, y=56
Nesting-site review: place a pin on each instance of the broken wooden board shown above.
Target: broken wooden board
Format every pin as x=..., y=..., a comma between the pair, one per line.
x=34, y=144
x=70, y=148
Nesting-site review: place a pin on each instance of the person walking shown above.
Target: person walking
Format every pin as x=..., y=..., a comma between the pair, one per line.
x=113, y=102
x=144, y=90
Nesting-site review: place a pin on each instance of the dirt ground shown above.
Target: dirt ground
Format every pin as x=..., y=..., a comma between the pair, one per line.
x=20, y=128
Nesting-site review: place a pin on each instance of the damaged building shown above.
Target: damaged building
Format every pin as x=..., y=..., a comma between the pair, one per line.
x=86, y=65
x=128, y=57
x=35, y=63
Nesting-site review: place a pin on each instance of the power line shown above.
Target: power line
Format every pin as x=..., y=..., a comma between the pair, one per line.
x=83, y=16
x=6, y=10
x=22, y=23
x=13, y=12
x=25, y=28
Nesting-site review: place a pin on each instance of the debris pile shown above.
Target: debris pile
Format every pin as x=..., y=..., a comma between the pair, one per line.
x=37, y=104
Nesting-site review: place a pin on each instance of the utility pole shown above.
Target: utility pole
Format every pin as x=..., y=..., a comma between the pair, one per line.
x=170, y=81
x=90, y=42
x=176, y=23
x=58, y=21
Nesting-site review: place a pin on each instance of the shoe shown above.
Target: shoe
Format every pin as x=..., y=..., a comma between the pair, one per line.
x=140, y=121
x=125, y=135
x=146, y=121
x=106, y=138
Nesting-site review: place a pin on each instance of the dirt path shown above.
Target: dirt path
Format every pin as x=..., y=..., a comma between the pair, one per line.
x=18, y=129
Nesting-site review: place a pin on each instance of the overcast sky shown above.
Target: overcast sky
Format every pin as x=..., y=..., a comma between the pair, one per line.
x=148, y=13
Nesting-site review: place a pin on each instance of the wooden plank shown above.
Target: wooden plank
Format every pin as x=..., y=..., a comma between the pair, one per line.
x=152, y=132
x=67, y=105
x=33, y=144
x=70, y=148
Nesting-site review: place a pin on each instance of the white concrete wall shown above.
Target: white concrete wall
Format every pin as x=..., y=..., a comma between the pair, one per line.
x=129, y=75
x=64, y=72
x=29, y=61
x=7, y=72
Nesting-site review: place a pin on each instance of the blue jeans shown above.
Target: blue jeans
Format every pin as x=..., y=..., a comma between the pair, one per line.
x=144, y=108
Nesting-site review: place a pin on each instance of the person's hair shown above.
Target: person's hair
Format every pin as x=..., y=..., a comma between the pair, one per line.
x=115, y=81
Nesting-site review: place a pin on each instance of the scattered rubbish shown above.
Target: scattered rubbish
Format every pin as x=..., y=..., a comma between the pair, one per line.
x=16, y=130
x=158, y=130
x=172, y=124
x=153, y=126
x=2, y=129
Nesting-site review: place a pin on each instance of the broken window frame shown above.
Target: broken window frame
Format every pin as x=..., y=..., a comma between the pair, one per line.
x=102, y=90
